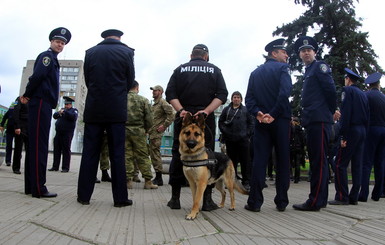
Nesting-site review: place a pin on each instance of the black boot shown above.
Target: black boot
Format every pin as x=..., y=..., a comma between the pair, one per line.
x=174, y=202
x=158, y=179
x=105, y=176
x=208, y=203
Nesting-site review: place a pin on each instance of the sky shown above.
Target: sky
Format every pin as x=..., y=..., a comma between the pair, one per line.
x=162, y=32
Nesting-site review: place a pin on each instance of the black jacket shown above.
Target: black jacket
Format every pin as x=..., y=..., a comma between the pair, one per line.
x=20, y=117
x=109, y=74
x=236, y=125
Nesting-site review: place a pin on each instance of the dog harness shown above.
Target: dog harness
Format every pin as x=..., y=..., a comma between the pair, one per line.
x=210, y=162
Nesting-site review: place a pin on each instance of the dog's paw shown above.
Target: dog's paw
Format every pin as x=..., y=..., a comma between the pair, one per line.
x=191, y=217
x=231, y=209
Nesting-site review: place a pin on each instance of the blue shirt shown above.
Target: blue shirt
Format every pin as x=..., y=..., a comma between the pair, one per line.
x=318, y=98
x=269, y=90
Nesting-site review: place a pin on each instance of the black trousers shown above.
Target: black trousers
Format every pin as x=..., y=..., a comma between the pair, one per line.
x=62, y=145
x=93, y=136
x=238, y=151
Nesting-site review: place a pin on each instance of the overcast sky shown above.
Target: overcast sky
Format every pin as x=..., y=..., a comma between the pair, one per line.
x=162, y=32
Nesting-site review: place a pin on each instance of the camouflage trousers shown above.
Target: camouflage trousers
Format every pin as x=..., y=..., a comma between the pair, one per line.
x=137, y=152
x=156, y=157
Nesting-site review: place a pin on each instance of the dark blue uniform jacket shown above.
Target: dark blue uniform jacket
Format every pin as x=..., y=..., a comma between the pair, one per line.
x=67, y=120
x=377, y=107
x=318, y=94
x=44, y=82
x=269, y=89
x=109, y=73
x=354, y=109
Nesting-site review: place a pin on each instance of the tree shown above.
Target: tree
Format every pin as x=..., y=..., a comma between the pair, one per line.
x=334, y=25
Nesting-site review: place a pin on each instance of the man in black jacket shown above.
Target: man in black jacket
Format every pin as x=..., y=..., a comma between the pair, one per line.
x=196, y=87
x=109, y=73
x=237, y=126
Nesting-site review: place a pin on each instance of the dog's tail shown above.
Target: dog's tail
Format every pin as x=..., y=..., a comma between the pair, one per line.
x=239, y=187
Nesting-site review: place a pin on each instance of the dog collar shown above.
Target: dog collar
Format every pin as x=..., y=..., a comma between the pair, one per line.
x=199, y=163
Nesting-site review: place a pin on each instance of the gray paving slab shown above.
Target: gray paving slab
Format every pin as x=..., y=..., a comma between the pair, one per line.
x=61, y=220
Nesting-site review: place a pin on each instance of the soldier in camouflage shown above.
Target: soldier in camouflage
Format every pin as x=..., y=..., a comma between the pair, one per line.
x=139, y=122
x=163, y=116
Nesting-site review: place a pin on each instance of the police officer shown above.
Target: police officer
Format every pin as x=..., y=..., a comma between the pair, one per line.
x=109, y=73
x=267, y=99
x=196, y=87
x=318, y=101
x=163, y=115
x=42, y=94
x=10, y=132
x=139, y=122
x=375, y=141
x=353, y=125
x=20, y=118
x=64, y=126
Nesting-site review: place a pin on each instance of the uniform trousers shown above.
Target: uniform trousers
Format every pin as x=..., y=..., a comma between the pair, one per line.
x=176, y=165
x=353, y=152
x=317, y=138
x=39, y=124
x=62, y=145
x=20, y=139
x=93, y=136
x=374, y=156
x=266, y=136
x=156, y=157
x=137, y=152
x=10, y=134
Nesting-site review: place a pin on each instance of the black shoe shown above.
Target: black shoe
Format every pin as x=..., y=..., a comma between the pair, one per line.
x=247, y=207
x=158, y=179
x=48, y=194
x=281, y=209
x=97, y=180
x=246, y=186
x=105, y=176
x=375, y=199
x=83, y=202
x=53, y=169
x=64, y=170
x=123, y=204
x=16, y=172
x=305, y=207
x=337, y=202
x=208, y=203
x=174, y=203
x=8, y=164
x=362, y=199
x=351, y=202
x=382, y=196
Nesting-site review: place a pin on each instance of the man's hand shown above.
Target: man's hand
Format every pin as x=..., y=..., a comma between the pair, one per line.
x=343, y=143
x=337, y=115
x=267, y=118
x=161, y=129
x=17, y=131
x=24, y=100
x=260, y=116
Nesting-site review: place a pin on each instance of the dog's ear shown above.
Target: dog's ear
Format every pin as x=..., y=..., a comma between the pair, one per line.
x=200, y=120
x=187, y=119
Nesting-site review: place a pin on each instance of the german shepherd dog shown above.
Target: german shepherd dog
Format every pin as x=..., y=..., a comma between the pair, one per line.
x=200, y=170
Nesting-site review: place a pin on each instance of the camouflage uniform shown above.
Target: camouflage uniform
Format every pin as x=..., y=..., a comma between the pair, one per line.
x=139, y=121
x=163, y=114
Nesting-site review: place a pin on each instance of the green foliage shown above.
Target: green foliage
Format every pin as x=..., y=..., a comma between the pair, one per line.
x=334, y=25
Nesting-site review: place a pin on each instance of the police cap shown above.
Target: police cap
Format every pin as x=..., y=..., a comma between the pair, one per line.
x=276, y=44
x=202, y=47
x=60, y=33
x=305, y=42
x=157, y=87
x=352, y=75
x=68, y=100
x=373, y=78
x=111, y=32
